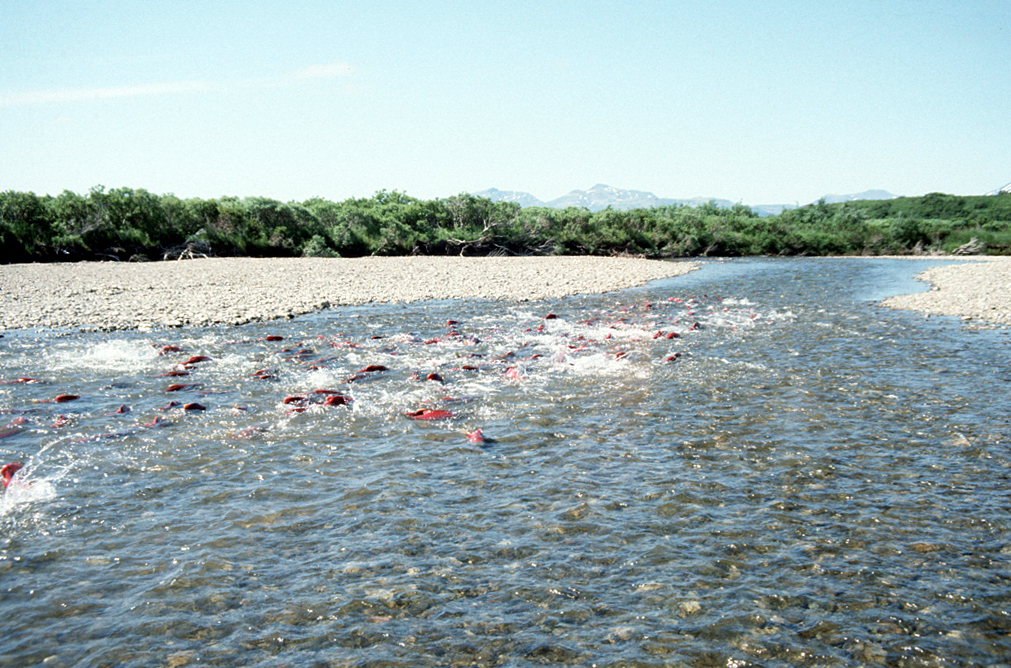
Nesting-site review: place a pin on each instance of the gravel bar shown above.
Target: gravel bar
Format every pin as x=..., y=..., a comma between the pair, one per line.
x=118, y=295
x=979, y=292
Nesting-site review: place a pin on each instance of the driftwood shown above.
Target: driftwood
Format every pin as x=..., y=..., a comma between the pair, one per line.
x=974, y=247
x=188, y=251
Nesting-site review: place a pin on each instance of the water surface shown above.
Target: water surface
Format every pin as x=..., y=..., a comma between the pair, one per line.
x=795, y=477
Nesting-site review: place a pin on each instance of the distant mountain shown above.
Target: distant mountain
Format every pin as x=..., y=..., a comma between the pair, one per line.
x=771, y=209
x=522, y=198
x=865, y=195
x=601, y=196
x=1005, y=189
x=775, y=209
x=597, y=198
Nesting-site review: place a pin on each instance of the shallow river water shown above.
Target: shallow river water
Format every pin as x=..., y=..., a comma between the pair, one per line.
x=749, y=465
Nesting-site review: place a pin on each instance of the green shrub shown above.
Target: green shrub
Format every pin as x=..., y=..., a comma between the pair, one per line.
x=316, y=247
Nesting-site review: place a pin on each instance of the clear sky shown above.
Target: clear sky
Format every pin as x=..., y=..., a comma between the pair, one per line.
x=760, y=102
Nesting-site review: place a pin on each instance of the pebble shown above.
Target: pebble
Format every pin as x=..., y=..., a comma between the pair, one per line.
x=109, y=296
x=977, y=292
x=122, y=295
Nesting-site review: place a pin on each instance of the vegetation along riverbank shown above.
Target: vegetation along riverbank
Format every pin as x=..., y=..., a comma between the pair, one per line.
x=128, y=224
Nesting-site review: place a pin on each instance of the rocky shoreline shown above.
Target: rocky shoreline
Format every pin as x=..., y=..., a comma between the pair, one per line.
x=978, y=292
x=207, y=291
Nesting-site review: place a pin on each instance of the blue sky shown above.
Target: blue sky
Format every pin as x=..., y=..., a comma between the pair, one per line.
x=757, y=102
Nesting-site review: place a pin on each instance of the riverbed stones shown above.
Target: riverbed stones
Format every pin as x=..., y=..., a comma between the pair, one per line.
x=205, y=291
x=978, y=292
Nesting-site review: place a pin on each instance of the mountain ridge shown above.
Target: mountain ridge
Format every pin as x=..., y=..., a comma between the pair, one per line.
x=1005, y=189
x=602, y=196
x=597, y=198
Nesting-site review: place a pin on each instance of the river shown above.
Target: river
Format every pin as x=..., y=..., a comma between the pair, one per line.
x=753, y=464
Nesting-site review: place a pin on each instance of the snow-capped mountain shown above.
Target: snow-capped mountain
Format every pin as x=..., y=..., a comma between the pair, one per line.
x=1005, y=189
x=597, y=198
x=601, y=196
x=865, y=195
x=522, y=198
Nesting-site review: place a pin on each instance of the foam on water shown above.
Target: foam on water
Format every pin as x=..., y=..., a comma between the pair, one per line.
x=25, y=490
x=122, y=355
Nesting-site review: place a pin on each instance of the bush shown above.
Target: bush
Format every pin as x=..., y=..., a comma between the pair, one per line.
x=316, y=247
x=127, y=223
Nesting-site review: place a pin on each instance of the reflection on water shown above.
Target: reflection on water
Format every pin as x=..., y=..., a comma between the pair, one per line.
x=751, y=464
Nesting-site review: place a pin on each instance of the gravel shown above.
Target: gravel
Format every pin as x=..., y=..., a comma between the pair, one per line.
x=115, y=295
x=979, y=292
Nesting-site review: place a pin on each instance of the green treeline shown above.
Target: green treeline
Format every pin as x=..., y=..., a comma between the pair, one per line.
x=128, y=224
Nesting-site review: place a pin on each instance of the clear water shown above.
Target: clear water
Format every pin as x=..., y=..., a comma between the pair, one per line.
x=814, y=481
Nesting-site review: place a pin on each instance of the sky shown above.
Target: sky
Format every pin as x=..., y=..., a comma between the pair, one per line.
x=772, y=102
